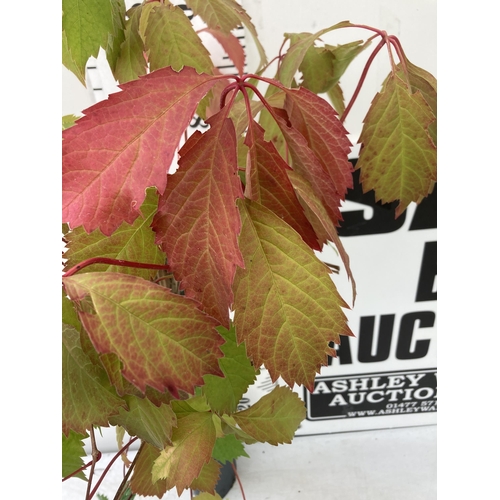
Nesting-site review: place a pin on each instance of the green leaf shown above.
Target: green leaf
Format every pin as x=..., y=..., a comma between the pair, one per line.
x=192, y=443
x=131, y=62
x=87, y=396
x=87, y=26
x=398, y=158
x=133, y=242
x=228, y=449
x=224, y=394
x=151, y=423
x=163, y=339
x=141, y=482
x=68, y=121
x=299, y=46
x=317, y=69
x=170, y=40
x=275, y=418
x=287, y=308
x=72, y=451
x=207, y=479
x=336, y=97
x=226, y=15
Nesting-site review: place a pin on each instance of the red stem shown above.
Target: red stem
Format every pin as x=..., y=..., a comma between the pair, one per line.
x=113, y=262
x=362, y=79
x=112, y=461
x=238, y=479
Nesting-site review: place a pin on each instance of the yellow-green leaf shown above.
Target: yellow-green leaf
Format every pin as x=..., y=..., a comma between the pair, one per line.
x=275, y=418
x=287, y=308
x=398, y=158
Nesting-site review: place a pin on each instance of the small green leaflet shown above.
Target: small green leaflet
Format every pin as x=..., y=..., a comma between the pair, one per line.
x=228, y=449
x=275, y=418
x=72, y=451
x=224, y=394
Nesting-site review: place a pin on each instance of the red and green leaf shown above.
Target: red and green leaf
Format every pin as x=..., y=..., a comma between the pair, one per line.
x=192, y=443
x=132, y=242
x=275, y=418
x=126, y=144
x=231, y=46
x=197, y=223
x=287, y=308
x=207, y=479
x=398, y=158
x=141, y=482
x=163, y=339
x=269, y=185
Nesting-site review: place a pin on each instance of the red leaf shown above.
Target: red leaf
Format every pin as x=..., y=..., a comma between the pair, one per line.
x=231, y=46
x=197, y=222
x=318, y=122
x=124, y=145
x=270, y=186
x=306, y=163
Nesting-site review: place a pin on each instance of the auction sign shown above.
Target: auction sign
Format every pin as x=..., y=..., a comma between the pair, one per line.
x=385, y=376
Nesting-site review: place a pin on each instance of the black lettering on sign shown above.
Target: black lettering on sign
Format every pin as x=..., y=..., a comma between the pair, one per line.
x=425, y=319
x=428, y=272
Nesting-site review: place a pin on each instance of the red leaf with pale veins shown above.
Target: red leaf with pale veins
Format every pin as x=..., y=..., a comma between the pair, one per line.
x=318, y=122
x=163, y=339
x=231, y=46
x=198, y=223
x=306, y=163
x=270, y=186
x=125, y=144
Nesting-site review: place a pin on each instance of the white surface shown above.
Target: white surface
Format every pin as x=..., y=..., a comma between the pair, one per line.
x=391, y=464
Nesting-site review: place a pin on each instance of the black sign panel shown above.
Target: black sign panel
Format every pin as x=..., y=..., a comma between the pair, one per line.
x=373, y=394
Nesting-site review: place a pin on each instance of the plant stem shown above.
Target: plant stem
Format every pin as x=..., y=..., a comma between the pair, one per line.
x=112, y=461
x=362, y=79
x=96, y=455
x=113, y=262
x=124, y=483
x=238, y=479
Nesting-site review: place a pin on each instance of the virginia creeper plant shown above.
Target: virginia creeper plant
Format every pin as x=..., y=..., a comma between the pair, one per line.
x=190, y=261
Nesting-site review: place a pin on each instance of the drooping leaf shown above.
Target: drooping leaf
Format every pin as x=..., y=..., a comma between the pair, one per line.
x=306, y=163
x=423, y=81
x=163, y=339
x=267, y=183
x=87, y=396
x=87, y=26
x=344, y=54
x=228, y=449
x=336, y=97
x=197, y=223
x=224, y=394
x=207, y=479
x=398, y=158
x=318, y=215
x=107, y=167
x=231, y=46
x=133, y=242
x=192, y=443
x=287, y=308
x=72, y=452
x=141, y=482
x=275, y=418
x=317, y=70
x=225, y=16
x=294, y=56
x=131, y=62
x=318, y=123
x=170, y=40
x=151, y=423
